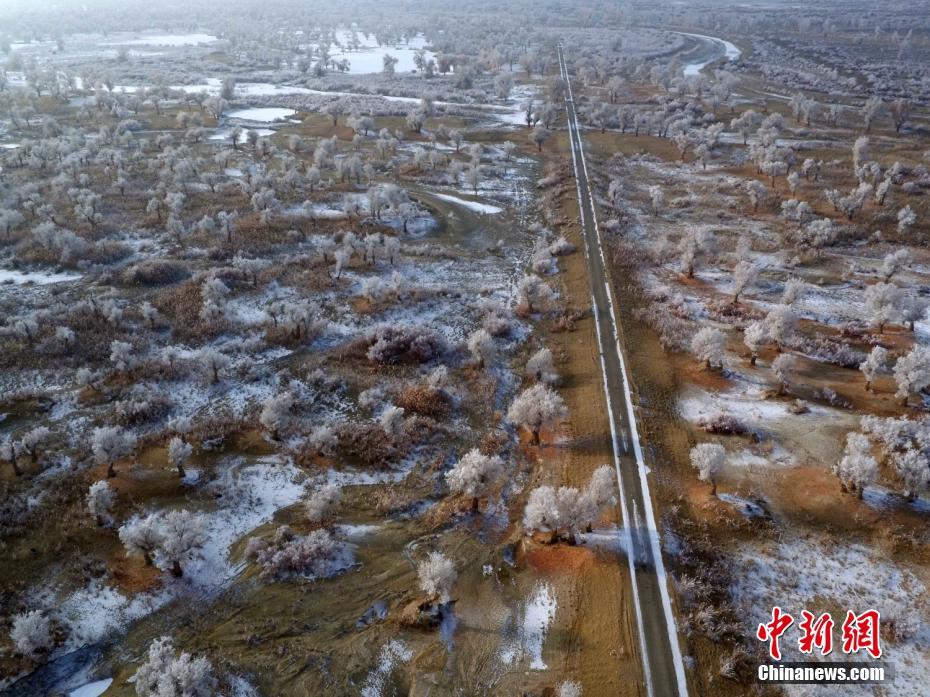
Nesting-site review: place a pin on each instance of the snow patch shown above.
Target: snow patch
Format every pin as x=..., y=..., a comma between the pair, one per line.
x=537, y=615
x=476, y=206
x=393, y=653
x=94, y=689
x=41, y=278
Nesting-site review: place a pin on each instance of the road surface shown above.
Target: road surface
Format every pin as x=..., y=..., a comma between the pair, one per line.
x=659, y=648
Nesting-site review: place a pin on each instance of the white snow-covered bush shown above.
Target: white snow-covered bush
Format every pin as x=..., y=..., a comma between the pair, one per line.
x=100, y=501
x=31, y=633
x=567, y=511
x=34, y=439
x=781, y=367
x=315, y=555
x=912, y=372
x=708, y=345
x=474, y=474
x=396, y=343
x=534, y=294
x=275, y=414
x=174, y=536
x=541, y=367
x=857, y=469
x=323, y=502
x=109, y=444
x=481, y=346
x=323, y=440
x=165, y=673
x=392, y=422
x=436, y=576
x=536, y=407
x=179, y=453
x=708, y=459
x=874, y=364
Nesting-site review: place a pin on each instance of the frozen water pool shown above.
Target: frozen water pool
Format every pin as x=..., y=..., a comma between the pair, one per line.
x=730, y=52
x=226, y=134
x=165, y=40
x=261, y=114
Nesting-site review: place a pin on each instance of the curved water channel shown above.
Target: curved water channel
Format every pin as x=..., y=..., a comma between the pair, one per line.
x=721, y=48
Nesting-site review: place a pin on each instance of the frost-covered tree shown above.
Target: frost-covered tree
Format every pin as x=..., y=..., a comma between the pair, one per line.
x=881, y=191
x=541, y=367
x=436, y=576
x=212, y=362
x=181, y=535
x=657, y=198
x=567, y=511
x=534, y=293
x=894, y=262
x=873, y=365
x=906, y=219
x=709, y=345
x=142, y=536
x=536, y=407
x=164, y=673
x=334, y=110
x=912, y=468
x=743, y=273
x=100, y=501
x=542, y=509
x=539, y=136
x=9, y=452
x=708, y=459
x=913, y=310
x=857, y=469
x=780, y=325
x=883, y=304
x=860, y=151
x=474, y=474
x=179, y=453
x=322, y=503
x=275, y=414
x=481, y=346
x=755, y=337
x=870, y=110
x=795, y=289
x=33, y=440
x=781, y=367
x=694, y=243
x=814, y=236
x=415, y=120
x=31, y=633
x=757, y=193
x=900, y=110
x=912, y=372
x=111, y=443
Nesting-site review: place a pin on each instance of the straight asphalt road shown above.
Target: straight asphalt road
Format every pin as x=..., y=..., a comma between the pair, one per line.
x=658, y=635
